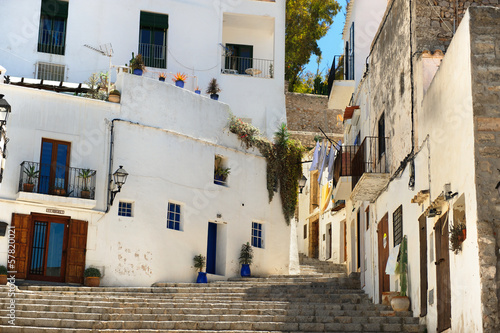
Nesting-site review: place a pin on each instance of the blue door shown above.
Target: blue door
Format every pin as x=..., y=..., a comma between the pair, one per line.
x=53, y=166
x=211, y=247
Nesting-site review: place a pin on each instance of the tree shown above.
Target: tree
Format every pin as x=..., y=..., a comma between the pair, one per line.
x=307, y=21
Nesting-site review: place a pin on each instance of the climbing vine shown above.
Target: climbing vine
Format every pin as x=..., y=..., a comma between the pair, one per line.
x=283, y=157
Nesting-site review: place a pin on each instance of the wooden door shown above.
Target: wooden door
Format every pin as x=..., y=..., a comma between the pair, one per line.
x=328, y=241
x=345, y=240
x=314, y=239
x=22, y=229
x=383, y=255
x=77, y=248
x=443, y=290
x=422, y=220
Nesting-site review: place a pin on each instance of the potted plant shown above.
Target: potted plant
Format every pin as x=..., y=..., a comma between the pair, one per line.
x=31, y=172
x=85, y=174
x=199, y=264
x=162, y=76
x=137, y=64
x=458, y=233
x=197, y=91
x=114, y=96
x=3, y=275
x=180, y=79
x=402, y=302
x=92, y=277
x=213, y=89
x=246, y=257
x=220, y=173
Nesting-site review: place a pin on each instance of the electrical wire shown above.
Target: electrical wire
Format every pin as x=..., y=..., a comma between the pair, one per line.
x=439, y=15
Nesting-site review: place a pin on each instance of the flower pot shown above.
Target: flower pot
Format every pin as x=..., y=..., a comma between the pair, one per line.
x=114, y=98
x=202, y=277
x=3, y=280
x=85, y=194
x=400, y=303
x=245, y=270
x=462, y=236
x=138, y=72
x=60, y=191
x=179, y=83
x=92, y=281
x=162, y=79
x=28, y=187
x=387, y=296
x=197, y=92
x=215, y=97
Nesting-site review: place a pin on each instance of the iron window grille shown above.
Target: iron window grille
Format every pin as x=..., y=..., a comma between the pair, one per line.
x=125, y=209
x=174, y=216
x=257, y=235
x=397, y=225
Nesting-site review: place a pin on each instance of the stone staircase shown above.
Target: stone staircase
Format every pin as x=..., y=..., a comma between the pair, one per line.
x=310, y=302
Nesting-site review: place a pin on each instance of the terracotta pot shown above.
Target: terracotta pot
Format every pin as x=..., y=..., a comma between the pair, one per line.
x=3, y=280
x=400, y=303
x=28, y=187
x=387, y=296
x=85, y=194
x=114, y=98
x=92, y=281
x=60, y=191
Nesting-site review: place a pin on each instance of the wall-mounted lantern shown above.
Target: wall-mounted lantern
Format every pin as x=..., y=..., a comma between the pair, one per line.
x=119, y=179
x=3, y=228
x=302, y=183
x=4, y=111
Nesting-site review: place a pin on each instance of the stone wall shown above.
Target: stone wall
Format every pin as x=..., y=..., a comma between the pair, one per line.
x=306, y=112
x=485, y=49
x=438, y=19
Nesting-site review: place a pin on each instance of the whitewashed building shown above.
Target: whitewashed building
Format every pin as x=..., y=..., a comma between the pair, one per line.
x=421, y=135
x=168, y=140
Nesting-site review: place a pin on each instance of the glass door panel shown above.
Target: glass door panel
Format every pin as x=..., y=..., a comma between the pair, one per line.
x=55, y=249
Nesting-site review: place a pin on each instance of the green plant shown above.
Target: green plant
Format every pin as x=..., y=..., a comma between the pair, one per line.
x=271, y=71
x=199, y=262
x=402, y=267
x=219, y=170
x=94, y=82
x=3, y=270
x=85, y=174
x=31, y=173
x=213, y=87
x=180, y=77
x=457, y=237
x=92, y=272
x=246, y=254
x=137, y=62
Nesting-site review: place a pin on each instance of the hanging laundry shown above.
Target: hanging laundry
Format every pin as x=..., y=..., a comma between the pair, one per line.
x=333, y=153
x=322, y=160
x=326, y=193
x=314, y=164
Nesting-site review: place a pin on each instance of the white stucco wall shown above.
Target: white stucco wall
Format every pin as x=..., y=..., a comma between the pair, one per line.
x=166, y=138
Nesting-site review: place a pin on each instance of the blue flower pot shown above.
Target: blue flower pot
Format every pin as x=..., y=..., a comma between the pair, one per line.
x=245, y=270
x=202, y=277
x=215, y=97
x=162, y=79
x=138, y=72
x=179, y=83
x=198, y=92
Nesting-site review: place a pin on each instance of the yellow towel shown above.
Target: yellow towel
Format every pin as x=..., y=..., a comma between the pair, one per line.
x=326, y=193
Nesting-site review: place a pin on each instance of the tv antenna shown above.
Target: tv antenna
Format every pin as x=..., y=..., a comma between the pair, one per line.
x=105, y=50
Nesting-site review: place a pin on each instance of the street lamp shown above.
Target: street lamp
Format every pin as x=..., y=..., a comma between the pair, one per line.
x=4, y=111
x=119, y=178
x=302, y=183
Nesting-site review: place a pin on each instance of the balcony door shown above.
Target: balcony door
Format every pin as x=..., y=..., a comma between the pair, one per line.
x=240, y=58
x=54, y=167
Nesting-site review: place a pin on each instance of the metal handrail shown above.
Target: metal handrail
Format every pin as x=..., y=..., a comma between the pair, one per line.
x=247, y=66
x=371, y=157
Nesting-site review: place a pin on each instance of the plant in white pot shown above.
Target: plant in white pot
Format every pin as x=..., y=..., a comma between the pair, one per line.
x=402, y=302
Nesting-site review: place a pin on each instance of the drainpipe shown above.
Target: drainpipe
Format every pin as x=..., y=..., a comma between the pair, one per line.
x=411, y=183
x=111, y=146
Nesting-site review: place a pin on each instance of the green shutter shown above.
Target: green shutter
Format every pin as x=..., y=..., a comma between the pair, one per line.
x=55, y=8
x=152, y=20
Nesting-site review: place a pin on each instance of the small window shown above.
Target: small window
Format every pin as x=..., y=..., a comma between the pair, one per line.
x=257, y=236
x=305, y=231
x=153, y=39
x=381, y=136
x=52, y=72
x=397, y=225
x=367, y=211
x=52, y=31
x=125, y=209
x=174, y=216
x=221, y=171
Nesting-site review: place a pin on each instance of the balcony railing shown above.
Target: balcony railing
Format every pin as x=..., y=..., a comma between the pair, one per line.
x=371, y=157
x=153, y=55
x=51, y=41
x=57, y=180
x=343, y=162
x=247, y=66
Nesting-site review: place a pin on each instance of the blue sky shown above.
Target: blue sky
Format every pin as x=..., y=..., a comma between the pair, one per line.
x=330, y=45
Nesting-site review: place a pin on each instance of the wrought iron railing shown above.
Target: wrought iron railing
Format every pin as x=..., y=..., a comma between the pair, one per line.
x=343, y=162
x=153, y=55
x=247, y=66
x=371, y=157
x=51, y=41
x=57, y=180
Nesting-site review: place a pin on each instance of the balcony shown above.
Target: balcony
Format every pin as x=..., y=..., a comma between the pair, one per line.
x=57, y=184
x=340, y=88
x=370, y=169
x=154, y=55
x=51, y=41
x=247, y=66
x=343, y=172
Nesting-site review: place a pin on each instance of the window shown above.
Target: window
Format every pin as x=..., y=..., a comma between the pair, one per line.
x=153, y=39
x=381, y=136
x=367, y=212
x=238, y=58
x=305, y=231
x=54, y=167
x=174, y=216
x=125, y=209
x=349, y=55
x=257, y=237
x=46, y=71
x=221, y=171
x=52, y=33
x=397, y=225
